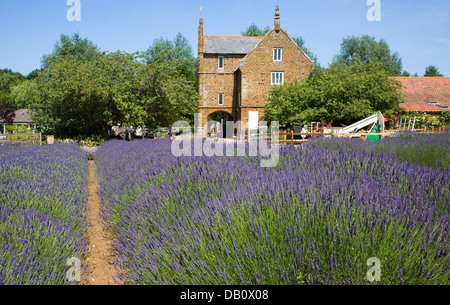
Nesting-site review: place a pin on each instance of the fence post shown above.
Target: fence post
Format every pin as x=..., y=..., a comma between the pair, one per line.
x=432, y=129
x=292, y=135
x=425, y=129
x=40, y=139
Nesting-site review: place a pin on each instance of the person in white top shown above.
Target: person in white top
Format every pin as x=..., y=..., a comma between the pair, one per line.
x=138, y=132
x=304, y=130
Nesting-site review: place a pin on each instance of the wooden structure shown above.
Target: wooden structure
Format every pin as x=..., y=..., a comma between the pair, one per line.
x=17, y=138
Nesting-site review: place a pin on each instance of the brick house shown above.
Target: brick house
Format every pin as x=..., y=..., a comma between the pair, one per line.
x=236, y=73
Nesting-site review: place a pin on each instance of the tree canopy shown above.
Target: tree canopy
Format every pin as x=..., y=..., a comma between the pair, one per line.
x=177, y=53
x=76, y=97
x=340, y=94
x=8, y=80
x=254, y=30
x=432, y=71
x=82, y=91
x=71, y=47
x=366, y=49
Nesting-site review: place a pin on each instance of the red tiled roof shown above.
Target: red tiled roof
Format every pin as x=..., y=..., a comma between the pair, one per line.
x=422, y=93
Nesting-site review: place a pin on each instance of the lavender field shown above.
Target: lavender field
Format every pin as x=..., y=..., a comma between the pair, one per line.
x=43, y=195
x=316, y=218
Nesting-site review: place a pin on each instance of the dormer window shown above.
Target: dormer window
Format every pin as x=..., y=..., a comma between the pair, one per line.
x=220, y=62
x=277, y=54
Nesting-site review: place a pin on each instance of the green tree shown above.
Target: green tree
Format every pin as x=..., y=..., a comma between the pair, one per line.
x=366, y=49
x=167, y=95
x=254, y=31
x=75, y=97
x=71, y=47
x=432, y=71
x=340, y=94
x=8, y=80
x=177, y=53
x=406, y=73
x=33, y=74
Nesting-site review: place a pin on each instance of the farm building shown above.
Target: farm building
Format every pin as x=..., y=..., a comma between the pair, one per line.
x=23, y=118
x=425, y=94
x=235, y=73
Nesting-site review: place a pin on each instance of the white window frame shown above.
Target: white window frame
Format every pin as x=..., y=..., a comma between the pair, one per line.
x=277, y=78
x=277, y=54
x=220, y=99
x=223, y=62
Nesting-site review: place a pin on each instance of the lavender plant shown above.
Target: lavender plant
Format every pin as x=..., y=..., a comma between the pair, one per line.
x=43, y=196
x=316, y=218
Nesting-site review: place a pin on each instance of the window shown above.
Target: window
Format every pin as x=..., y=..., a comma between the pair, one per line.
x=220, y=62
x=277, y=78
x=277, y=54
x=220, y=98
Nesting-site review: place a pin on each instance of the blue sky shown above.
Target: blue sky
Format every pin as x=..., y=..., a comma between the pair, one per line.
x=418, y=30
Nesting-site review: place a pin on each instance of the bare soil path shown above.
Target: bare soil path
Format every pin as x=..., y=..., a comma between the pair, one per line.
x=100, y=255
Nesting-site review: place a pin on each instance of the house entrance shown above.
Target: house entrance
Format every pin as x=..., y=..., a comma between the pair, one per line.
x=217, y=124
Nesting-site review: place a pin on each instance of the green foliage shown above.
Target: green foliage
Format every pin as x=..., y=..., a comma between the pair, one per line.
x=8, y=80
x=80, y=98
x=445, y=117
x=71, y=47
x=33, y=74
x=177, y=53
x=366, y=49
x=254, y=31
x=432, y=71
x=90, y=141
x=426, y=120
x=17, y=129
x=340, y=94
x=23, y=94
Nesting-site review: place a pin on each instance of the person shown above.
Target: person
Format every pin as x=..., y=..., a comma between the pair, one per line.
x=127, y=134
x=112, y=133
x=170, y=133
x=304, y=130
x=138, y=132
x=117, y=135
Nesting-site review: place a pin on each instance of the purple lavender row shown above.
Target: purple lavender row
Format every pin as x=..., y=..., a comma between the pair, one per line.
x=316, y=218
x=43, y=196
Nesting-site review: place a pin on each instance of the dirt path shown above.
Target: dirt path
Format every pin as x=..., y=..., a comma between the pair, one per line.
x=100, y=255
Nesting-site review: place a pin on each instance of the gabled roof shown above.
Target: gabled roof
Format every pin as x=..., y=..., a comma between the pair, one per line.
x=22, y=116
x=425, y=94
x=242, y=62
x=229, y=44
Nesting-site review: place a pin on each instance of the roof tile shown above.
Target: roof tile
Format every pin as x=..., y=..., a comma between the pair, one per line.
x=422, y=93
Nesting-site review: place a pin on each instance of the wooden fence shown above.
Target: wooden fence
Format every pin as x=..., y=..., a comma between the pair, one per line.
x=289, y=137
x=17, y=138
